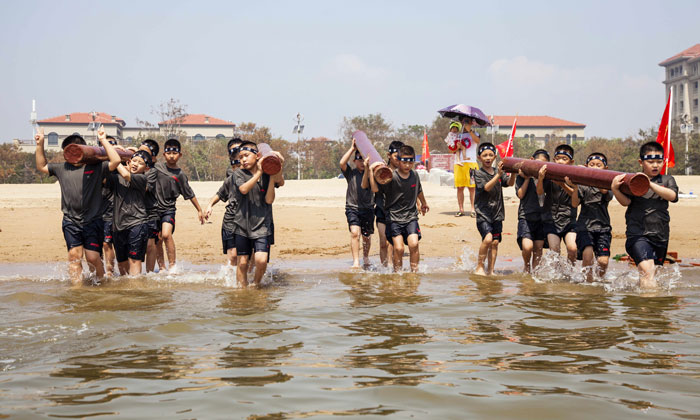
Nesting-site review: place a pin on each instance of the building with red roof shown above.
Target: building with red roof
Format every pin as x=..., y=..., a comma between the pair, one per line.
x=540, y=128
x=683, y=78
x=84, y=124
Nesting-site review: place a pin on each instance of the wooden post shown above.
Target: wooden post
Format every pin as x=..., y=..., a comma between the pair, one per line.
x=271, y=164
x=382, y=173
x=80, y=153
x=635, y=184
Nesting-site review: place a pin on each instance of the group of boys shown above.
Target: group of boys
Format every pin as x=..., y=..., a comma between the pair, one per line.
x=247, y=229
x=126, y=209
x=547, y=214
x=395, y=204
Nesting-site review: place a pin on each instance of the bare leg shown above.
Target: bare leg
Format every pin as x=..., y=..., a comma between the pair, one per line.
x=109, y=258
x=366, y=245
x=537, y=253
x=95, y=260
x=75, y=266
x=355, y=245
x=460, y=199
x=167, y=235
x=647, y=269
x=383, y=244
x=242, y=270
x=123, y=268
x=571, y=250
x=398, y=253
x=135, y=267
x=471, y=197
x=232, y=258
x=413, y=251
x=483, y=252
x=603, y=265
x=160, y=254
x=493, y=253
x=554, y=243
x=151, y=255
x=587, y=264
x=260, y=267
x=527, y=247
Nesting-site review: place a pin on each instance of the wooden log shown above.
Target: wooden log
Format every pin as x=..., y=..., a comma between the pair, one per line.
x=80, y=153
x=382, y=173
x=271, y=164
x=635, y=184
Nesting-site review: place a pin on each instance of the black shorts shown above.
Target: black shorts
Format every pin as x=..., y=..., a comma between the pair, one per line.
x=600, y=241
x=561, y=233
x=153, y=229
x=131, y=243
x=394, y=229
x=533, y=230
x=364, y=218
x=271, y=238
x=107, y=231
x=641, y=248
x=89, y=236
x=495, y=229
x=380, y=215
x=245, y=246
x=167, y=218
x=227, y=240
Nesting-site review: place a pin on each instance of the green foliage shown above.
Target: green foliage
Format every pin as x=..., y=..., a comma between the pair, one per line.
x=18, y=167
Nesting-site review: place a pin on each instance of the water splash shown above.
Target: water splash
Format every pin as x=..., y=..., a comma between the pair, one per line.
x=467, y=260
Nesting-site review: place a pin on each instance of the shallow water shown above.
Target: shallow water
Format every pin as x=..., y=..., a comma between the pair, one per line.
x=321, y=341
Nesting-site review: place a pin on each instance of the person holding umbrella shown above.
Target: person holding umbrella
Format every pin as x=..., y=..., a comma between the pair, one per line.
x=469, y=140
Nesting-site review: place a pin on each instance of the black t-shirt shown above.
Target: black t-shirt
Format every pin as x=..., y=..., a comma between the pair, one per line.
x=400, y=197
x=107, y=204
x=229, y=172
x=530, y=207
x=489, y=204
x=559, y=201
x=166, y=185
x=129, y=200
x=227, y=193
x=648, y=215
x=357, y=197
x=81, y=190
x=254, y=216
x=594, y=215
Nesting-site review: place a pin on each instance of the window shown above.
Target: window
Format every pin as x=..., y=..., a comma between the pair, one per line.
x=527, y=136
x=129, y=140
x=546, y=136
x=53, y=139
x=695, y=120
x=680, y=88
x=568, y=139
x=681, y=106
x=695, y=103
x=220, y=136
x=696, y=86
x=573, y=137
x=198, y=137
x=532, y=136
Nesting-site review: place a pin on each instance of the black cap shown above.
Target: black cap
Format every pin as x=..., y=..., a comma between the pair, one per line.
x=72, y=139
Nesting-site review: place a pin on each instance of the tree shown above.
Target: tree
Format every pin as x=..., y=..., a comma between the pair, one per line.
x=378, y=130
x=170, y=114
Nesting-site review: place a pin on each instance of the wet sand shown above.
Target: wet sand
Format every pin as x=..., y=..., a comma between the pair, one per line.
x=310, y=223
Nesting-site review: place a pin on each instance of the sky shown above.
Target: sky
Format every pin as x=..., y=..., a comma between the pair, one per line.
x=593, y=62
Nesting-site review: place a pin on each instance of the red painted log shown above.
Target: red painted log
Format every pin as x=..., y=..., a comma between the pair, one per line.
x=80, y=153
x=635, y=184
x=382, y=173
x=271, y=164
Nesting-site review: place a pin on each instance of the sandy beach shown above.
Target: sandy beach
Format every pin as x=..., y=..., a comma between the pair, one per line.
x=310, y=223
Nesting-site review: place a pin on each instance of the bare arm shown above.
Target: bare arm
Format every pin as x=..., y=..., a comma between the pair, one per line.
x=346, y=157
x=200, y=215
x=575, y=199
x=523, y=188
x=249, y=184
x=41, y=164
x=540, y=178
x=619, y=195
x=365, y=175
x=114, y=159
x=372, y=181
x=423, y=204
x=270, y=193
x=496, y=178
x=215, y=199
x=663, y=192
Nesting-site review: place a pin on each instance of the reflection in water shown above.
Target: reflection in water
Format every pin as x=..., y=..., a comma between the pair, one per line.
x=106, y=298
x=249, y=301
x=403, y=366
x=150, y=364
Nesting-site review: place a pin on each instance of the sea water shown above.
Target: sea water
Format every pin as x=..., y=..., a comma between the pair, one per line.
x=320, y=340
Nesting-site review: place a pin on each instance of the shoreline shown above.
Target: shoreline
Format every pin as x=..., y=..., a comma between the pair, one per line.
x=309, y=224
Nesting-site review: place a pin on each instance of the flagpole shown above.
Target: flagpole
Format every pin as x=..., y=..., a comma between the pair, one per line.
x=667, y=152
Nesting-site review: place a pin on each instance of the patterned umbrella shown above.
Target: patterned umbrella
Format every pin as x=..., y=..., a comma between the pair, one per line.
x=461, y=110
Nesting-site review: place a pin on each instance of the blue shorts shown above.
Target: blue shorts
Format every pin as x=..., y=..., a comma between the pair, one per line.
x=495, y=229
x=131, y=243
x=167, y=218
x=380, y=215
x=89, y=236
x=533, y=230
x=561, y=233
x=600, y=241
x=641, y=248
x=394, y=229
x=107, y=231
x=153, y=229
x=364, y=218
x=246, y=246
x=227, y=240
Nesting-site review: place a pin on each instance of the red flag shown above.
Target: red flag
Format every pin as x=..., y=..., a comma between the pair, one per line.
x=426, y=148
x=664, y=137
x=505, y=149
